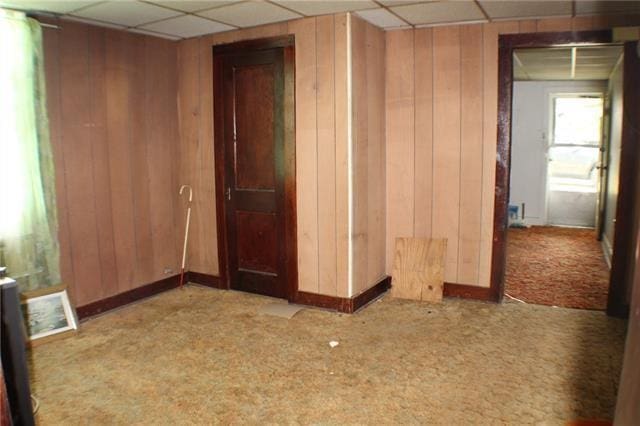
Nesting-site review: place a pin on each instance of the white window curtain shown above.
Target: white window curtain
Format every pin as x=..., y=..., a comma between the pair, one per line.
x=28, y=223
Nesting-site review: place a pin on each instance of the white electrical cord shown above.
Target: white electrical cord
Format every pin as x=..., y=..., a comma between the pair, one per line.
x=515, y=298
x=35, y=404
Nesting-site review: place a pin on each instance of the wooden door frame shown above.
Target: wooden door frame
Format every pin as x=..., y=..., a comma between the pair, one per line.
x=507, y=44
x=288, y=44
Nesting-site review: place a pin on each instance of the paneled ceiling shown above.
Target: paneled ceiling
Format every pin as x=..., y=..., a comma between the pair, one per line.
x=566, y=63
x=176, y=19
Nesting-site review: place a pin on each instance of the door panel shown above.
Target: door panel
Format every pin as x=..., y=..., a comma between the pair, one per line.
x=254, y=199
x=254, y=115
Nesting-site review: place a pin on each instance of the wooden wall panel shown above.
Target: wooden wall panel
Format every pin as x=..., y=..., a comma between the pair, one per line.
x=102, y=122
x=341, y=123
x=188, y=120
x=101, y=163
x=471, y=98
x=423, y=154
x=446, y=143
x=360, y=154
x=138, y=149
x=51, y=44
x=456, y=80
x=306, y=153
x=161, y=151
x=375, y=53
x=119, y=53
x=75, y=121
x=399, y=138
x=205, y=164
x=326, y=133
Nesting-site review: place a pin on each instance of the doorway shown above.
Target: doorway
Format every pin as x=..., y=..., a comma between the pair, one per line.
x=508, y=45
x=255, y=165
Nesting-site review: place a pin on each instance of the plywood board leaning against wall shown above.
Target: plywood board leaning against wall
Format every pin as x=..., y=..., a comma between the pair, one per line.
x=418, y=269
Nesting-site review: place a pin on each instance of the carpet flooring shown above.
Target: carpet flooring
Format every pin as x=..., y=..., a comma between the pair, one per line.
x=204, y=356
x=557, y=267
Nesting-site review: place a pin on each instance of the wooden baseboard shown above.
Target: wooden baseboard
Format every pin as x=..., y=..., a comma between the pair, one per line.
x=127, y=297
x=346, y=305
x=341, y=304
x=470, y=292
x=205, y=280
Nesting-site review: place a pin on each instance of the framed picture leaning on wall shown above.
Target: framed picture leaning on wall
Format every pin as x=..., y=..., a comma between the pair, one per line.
x=48, y=313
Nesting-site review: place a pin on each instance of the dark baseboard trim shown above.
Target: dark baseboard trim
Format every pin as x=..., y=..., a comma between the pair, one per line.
x=343, y=304
x=205, y=280
x=127, y=297
x=371, y=294
x=470, y=292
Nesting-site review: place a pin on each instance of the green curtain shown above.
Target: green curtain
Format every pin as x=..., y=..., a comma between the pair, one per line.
x=28, y=223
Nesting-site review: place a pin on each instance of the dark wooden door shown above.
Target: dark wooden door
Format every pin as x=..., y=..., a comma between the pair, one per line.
x=251, y=92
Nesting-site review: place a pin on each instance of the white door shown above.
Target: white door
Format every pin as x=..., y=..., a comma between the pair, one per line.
x=573, y=156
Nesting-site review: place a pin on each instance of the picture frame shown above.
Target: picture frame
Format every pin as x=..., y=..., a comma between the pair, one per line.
x=48, y=314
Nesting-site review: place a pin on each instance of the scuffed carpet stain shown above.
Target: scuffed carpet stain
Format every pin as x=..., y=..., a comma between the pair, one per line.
x=556, y=266
x=203, y=356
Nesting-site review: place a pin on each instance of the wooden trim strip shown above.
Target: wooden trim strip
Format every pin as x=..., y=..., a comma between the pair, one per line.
x=205, y=280
x=623, y=243
x=470, y=292
x=127, y=297
x=344, y=304
x=339, y=304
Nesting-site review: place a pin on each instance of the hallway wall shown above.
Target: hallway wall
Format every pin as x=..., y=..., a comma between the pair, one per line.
x=441, y=127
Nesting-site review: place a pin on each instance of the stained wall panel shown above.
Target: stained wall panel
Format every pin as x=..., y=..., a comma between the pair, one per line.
x=116, y=201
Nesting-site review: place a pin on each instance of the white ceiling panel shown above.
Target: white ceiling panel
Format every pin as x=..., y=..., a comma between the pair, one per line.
x=249, y=14
x=382, y=18
x=606, y=7
x=127, y=13
x=193, y=6
x=187, y=26
x=326, y=7
x=526, y=9
x=46, y=6
x=440, y=12
x=591, y=63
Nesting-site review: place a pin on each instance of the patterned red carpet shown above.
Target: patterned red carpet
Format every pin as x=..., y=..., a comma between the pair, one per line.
x=557, y=266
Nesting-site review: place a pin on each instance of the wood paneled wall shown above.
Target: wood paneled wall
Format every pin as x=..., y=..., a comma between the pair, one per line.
x=441, y=132
x=113, y=118
x=368, y=148
x=321, y=147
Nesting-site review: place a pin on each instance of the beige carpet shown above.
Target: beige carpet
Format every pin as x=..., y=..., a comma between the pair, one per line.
x=198, y=356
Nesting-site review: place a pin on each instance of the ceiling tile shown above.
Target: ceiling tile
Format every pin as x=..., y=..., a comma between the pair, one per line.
x=187, y=26
x=46, y=6
x=127, y=13
x=381, y=18
x=440, y=12
x=526, y=9
x=606, y=7
x=152, y=33
x=193, y=6
x=249, y=14
x=326, y=7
